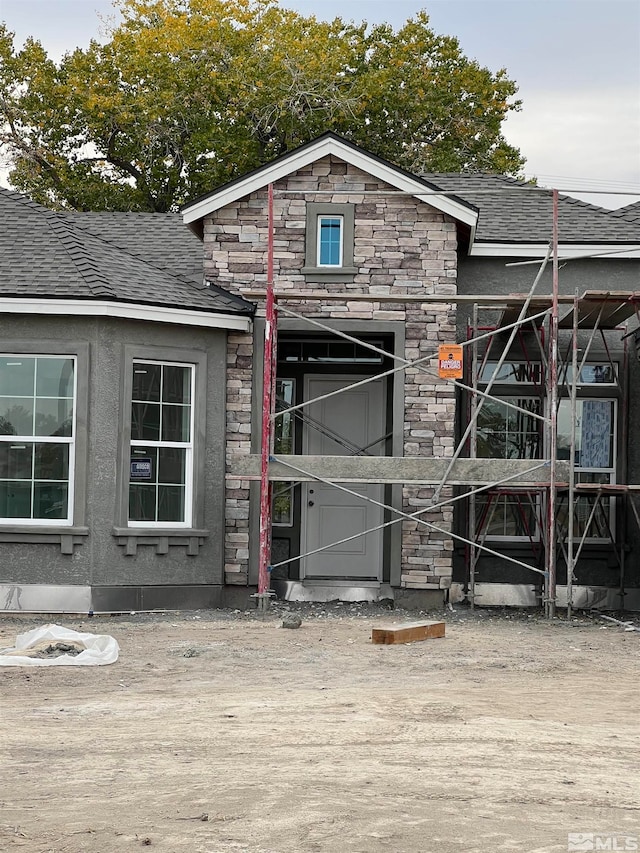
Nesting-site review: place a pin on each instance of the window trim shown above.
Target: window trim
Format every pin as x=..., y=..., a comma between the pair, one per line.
x=34, y=439
x=123, y=528
x=330, y=219
x=586, y=392
x=607, y=505
x=315, y=211
x=181, y=445
x=59, y=531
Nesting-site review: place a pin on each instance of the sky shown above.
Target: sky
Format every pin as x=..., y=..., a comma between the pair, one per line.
x=576, y=62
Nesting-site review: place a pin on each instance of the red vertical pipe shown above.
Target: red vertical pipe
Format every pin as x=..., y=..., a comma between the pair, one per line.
x=267, y=408
x=553, y=425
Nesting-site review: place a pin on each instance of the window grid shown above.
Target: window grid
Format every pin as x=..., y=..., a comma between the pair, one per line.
x=504, y=433
x=158, y=452
x=38, y=445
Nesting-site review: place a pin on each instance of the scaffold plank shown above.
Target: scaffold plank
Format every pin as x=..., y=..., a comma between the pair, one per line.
x=602, y=309
x=398, y=469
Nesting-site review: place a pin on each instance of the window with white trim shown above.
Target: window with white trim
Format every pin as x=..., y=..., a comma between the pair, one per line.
x=37, y=438
x=507, y=433
x=330, y=241
x=595, y=461
x=282, y=492
x=161, y=457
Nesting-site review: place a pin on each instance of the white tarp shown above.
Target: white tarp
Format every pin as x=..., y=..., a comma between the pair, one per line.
x=94, y=649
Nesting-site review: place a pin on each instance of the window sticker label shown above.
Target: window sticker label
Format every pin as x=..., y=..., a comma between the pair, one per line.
x=141, y=469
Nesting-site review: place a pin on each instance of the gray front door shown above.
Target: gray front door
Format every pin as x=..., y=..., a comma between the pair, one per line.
x=340, y=426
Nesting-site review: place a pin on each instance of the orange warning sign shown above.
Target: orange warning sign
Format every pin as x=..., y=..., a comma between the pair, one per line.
x=450, y=361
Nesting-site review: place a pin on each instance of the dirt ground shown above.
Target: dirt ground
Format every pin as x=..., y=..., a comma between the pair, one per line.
x=219, y=732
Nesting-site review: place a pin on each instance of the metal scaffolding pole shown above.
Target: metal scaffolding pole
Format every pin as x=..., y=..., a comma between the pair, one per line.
x=552, y=373
x=268, y=408
x=572, y=458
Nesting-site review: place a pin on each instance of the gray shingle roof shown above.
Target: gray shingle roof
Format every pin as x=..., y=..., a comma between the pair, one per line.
x=136, y=258
x=513, y=211
x=631, y=212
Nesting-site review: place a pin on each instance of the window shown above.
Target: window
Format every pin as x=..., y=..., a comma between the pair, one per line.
x=161, y=457
x=507, y=433
x=594, y=374
x=323, y=351
x=282, y=492
x=511, y=372
x=508, y=516
x=37, y=434
x=595, y=460
x=330, y=242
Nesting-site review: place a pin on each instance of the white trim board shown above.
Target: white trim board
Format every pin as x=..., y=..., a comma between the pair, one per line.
x=572, y=251
x=324, y=147
x=125, y=311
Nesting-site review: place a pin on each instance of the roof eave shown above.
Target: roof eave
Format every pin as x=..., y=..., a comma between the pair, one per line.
x=197, y=210
x=76, y=307
x=565, y=250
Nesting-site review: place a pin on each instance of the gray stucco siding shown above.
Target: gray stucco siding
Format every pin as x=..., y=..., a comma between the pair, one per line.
x=100, y=557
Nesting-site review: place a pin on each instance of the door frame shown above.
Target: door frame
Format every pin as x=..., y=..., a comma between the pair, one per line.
x=287, y=325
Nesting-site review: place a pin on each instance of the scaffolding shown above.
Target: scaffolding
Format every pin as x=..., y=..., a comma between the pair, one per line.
x=592, y=315
x=544, y=489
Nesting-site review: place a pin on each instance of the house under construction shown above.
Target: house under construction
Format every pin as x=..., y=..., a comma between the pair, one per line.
x=389, y=386
x=506, y=486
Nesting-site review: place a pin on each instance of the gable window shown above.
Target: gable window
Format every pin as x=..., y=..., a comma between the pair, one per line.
x=329, y=242
x=330, y=230
x=161, y=452
x=37, y=435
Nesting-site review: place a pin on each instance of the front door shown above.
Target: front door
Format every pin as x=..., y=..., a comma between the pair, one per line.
x=350, y=424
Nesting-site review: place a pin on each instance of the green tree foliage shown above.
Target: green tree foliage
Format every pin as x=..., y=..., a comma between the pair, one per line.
x=188, y=94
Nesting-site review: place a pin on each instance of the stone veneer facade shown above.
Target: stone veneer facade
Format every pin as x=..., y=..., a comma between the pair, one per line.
x=401, y=246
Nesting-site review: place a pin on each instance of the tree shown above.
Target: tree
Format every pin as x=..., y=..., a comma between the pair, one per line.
x=188, y=94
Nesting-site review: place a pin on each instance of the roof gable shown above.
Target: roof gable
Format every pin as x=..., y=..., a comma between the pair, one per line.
x=630, y=212
x=328, y=144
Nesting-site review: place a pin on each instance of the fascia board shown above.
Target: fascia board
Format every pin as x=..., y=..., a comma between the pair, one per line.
x=306, y=156
x=566, y=251
x=125, y=311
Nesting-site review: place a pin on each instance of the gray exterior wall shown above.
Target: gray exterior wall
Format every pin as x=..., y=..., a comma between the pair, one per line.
x=100, y=553
x=401, y=245
x=491, y=276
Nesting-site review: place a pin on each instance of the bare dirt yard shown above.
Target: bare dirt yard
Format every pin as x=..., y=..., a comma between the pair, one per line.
x=219, y=732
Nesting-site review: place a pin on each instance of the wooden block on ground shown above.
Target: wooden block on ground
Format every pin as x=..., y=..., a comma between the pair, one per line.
x=407, y=632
